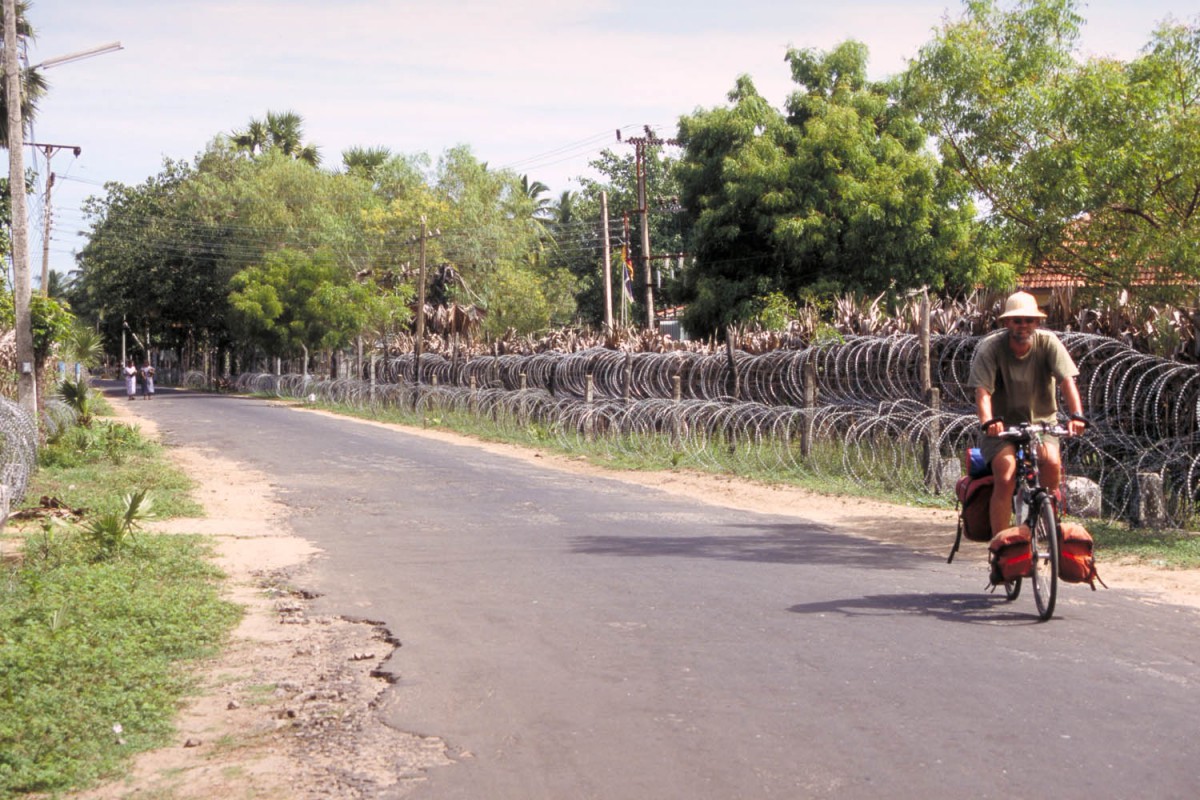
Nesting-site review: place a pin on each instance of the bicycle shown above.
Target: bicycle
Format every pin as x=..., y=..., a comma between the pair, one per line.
x=1037, y=507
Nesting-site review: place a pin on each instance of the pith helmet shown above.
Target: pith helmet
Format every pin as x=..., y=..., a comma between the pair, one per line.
x=1021, y=304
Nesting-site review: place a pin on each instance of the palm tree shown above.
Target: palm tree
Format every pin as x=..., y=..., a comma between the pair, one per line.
x=286, y=129
x=56, y=285
x=34, y=82
x=534, y=192
x=283, y=132
x=365, y=161
x=83, y=344
x=254, y=139
x=563, y=209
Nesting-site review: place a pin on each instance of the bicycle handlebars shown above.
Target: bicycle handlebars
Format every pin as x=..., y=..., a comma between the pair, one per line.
x=1025, y=431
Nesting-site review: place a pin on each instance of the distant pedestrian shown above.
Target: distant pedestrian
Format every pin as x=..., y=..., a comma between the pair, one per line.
x=131, y=376
x=148, y=381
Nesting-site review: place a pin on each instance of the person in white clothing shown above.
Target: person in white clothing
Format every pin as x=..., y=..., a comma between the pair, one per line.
x=131, y=374
x=148, y=381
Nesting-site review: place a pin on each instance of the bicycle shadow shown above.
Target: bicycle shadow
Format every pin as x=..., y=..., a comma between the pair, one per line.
x=973, y=609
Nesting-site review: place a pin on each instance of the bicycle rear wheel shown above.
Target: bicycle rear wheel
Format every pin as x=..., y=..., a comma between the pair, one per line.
x=1044, y=568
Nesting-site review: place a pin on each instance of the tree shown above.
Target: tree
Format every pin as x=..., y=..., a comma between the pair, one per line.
x=282, y=131
x=34, y=84
x=295, y=302
x=562, y=210
x=152, y=261
x=838, y=194
x=534, y=190
x=1090, y=166
x=365, y=161
x=51, y=324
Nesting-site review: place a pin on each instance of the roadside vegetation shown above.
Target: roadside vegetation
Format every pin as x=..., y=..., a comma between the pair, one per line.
x=1169, y=549
x=99, y=619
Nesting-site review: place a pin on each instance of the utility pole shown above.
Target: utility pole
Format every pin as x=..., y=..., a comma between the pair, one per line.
x=626, y=271
x=420, y=309
x=49, y=150
x=419, y=344
x=608, y=313
x=641, y=146
x=26, y=380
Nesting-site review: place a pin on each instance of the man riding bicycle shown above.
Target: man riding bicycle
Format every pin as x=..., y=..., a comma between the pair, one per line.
x=1016, y=373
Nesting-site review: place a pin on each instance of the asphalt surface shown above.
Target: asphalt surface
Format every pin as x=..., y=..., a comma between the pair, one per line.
x=578, y=637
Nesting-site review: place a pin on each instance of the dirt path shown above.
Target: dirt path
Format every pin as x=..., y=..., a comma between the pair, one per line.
x=286, y=709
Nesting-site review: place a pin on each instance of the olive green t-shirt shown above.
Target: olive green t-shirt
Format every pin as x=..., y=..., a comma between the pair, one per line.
x=1023, y=389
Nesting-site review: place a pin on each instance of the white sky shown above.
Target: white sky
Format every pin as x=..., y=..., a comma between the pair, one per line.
x=538, y=86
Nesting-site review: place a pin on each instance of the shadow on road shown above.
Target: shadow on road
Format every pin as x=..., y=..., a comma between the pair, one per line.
x=969, y=608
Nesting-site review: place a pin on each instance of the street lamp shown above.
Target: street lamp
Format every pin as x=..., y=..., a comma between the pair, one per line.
x=51, y=149
x=82, y=54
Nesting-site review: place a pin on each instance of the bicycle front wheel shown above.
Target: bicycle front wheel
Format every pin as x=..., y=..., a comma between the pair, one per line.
x=1044, y=568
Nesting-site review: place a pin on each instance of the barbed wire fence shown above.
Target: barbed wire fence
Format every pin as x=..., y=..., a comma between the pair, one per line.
x=854, y=409
x=18, y=452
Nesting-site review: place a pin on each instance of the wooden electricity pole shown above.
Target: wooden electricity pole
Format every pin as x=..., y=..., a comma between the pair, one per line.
x=608, y=312
x=49, y=150
x=641, y=146
x=417, y=346
x=26, y=380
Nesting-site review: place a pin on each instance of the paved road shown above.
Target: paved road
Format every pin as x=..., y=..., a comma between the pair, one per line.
x=577, y=637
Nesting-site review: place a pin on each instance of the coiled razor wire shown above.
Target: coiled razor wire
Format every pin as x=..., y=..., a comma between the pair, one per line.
x=737, y=411
x=18, y=449
x=57, y=418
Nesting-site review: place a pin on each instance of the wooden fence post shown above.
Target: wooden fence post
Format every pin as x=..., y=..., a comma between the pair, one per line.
x=627, y=378
x=730, y=332
x=931, y=453
x=808, y=426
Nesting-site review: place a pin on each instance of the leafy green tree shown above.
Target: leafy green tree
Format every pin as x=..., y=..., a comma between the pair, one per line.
x=1092, y=165
x=838, y=194
x=515, y=301
x=51, y=323
x=296, y=302
x=151, y=261
x=278, y=201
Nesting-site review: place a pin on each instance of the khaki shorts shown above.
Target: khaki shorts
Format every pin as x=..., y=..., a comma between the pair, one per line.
x=991, y=446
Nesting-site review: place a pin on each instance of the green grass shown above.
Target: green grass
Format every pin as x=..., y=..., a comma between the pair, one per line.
x=1160, y=548
x=93, y=467
x=94, y=637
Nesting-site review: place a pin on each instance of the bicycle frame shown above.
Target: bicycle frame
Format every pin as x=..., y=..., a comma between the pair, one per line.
x=1036, y=507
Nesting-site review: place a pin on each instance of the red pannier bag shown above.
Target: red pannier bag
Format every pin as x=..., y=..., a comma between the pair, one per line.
x=974, y=496
x=1076, y=563
x=1010, y=554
